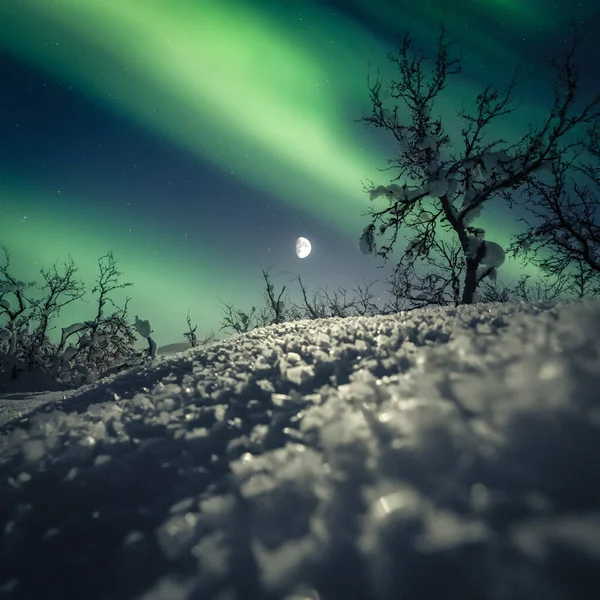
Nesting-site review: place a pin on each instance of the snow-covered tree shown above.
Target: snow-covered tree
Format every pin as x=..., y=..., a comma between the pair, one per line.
x=60, y=288
x=144, y=328
x=442, y=184
x=85, y=350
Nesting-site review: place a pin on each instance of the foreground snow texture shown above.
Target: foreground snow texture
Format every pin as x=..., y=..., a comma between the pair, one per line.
x=444, y=453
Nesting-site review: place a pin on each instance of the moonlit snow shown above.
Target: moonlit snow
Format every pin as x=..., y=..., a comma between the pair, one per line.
x=445, y=453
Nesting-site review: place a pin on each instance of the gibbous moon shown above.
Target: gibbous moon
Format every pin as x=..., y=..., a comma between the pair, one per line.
x=303, y=247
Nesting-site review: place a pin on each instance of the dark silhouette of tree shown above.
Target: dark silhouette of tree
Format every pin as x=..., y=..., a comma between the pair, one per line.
x=86, y=350
x=562, y=233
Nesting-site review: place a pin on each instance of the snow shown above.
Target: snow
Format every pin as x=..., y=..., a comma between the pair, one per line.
x=401, y=193
x=143, y=327
x=74, y=328
x=377, y=192
x=471, y=214
x=442, y=453
x=17, y=286
x=439, y=187
x=494, y=255
x=366, y=242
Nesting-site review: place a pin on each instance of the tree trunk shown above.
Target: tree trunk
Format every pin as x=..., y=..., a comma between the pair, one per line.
x=471, y=275
x=470, y=282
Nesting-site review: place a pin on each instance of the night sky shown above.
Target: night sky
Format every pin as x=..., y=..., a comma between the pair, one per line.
x=197, y=139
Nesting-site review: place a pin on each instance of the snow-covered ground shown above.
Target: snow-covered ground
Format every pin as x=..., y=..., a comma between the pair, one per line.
x=443, y=453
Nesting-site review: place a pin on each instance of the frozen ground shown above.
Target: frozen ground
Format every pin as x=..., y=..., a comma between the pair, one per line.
x=442, y=454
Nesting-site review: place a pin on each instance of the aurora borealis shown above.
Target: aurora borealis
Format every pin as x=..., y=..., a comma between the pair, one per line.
x=198, y=139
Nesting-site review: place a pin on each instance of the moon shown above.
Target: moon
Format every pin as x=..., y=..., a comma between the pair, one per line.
x=303, y=247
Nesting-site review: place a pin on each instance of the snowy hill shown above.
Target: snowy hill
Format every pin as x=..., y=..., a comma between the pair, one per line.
x=443, y=453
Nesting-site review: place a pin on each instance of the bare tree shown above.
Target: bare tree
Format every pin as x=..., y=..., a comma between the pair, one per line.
x=208, y=339
x=276, y=302
x=443, y=184
x=86, y=350
x=527, y=289
x=432, y=280
x=562, y=231
x=323, y=303
x=338, y=303
x=364, y=303
x=277, y=309
x=315, y=307
x=11, y=287
x=190, y=334
x=108, y=281
x=109, y=334
x=60, y=288
x=14, y=304
x=237, y=320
